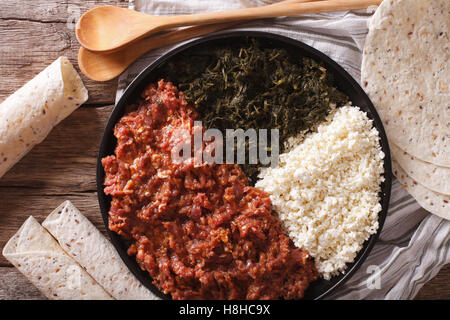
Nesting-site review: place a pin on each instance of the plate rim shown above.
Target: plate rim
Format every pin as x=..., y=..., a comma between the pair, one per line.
x=118, y=242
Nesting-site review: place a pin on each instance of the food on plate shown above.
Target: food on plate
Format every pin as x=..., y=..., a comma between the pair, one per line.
x=38, y=256
x=326, y=189
x=433, y=177
x=436, y=203
x=406, y=73
x=29, y=114
x=249, y=86
x=83, y=242
x=199, y=230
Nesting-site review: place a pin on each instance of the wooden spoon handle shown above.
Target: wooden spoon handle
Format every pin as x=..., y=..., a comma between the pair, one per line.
x=289, y=8
x=104, y=66
x=192, y=32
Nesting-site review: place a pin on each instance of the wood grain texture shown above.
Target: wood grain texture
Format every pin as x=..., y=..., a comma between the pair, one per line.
x=438, y=287
x=63, y=167
x=51, y=10
x=65, y=161
x=32, y=35
x=35, y=33
x=15, y=286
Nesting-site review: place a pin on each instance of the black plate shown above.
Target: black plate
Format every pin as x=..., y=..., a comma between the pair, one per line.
x=343, y=81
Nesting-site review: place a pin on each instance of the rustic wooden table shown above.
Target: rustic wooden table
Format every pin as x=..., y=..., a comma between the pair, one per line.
x=32, y=35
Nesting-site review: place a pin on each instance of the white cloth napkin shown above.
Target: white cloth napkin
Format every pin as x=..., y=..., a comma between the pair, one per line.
x=413, y=245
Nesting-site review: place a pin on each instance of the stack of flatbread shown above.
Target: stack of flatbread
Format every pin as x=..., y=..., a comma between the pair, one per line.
x=406, y=73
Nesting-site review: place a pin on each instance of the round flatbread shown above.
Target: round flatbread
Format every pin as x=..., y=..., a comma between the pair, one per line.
x=436, y=203
x=431, y=176
x=406, y=73
x=30, y=113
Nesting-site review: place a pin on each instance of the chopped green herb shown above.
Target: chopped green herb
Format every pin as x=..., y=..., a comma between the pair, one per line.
x=249, y=86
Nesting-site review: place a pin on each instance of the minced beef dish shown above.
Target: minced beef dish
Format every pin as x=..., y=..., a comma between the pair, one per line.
x=200, y=231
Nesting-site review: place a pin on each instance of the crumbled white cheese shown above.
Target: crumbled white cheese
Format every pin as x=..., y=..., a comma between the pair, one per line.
x=326, y=189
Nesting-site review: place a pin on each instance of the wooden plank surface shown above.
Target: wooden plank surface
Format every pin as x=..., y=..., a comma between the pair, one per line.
x=65, y=161
x=62, y=167
x=32, y=35
x=51, y=10
x=14, y=286
x=438, y=287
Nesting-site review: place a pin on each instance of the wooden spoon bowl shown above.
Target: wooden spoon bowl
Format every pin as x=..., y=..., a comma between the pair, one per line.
x=104, y=66
x=109, y=28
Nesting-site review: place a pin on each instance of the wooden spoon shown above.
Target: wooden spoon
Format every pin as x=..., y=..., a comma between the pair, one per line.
x=104, y=66
x=109, y=28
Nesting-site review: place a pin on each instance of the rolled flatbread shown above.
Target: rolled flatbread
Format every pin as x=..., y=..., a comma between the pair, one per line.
x=406, y=73
x=29, y=114
x=433, y=177
x=85, y=243
x=436, y=203
x=38, y=256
